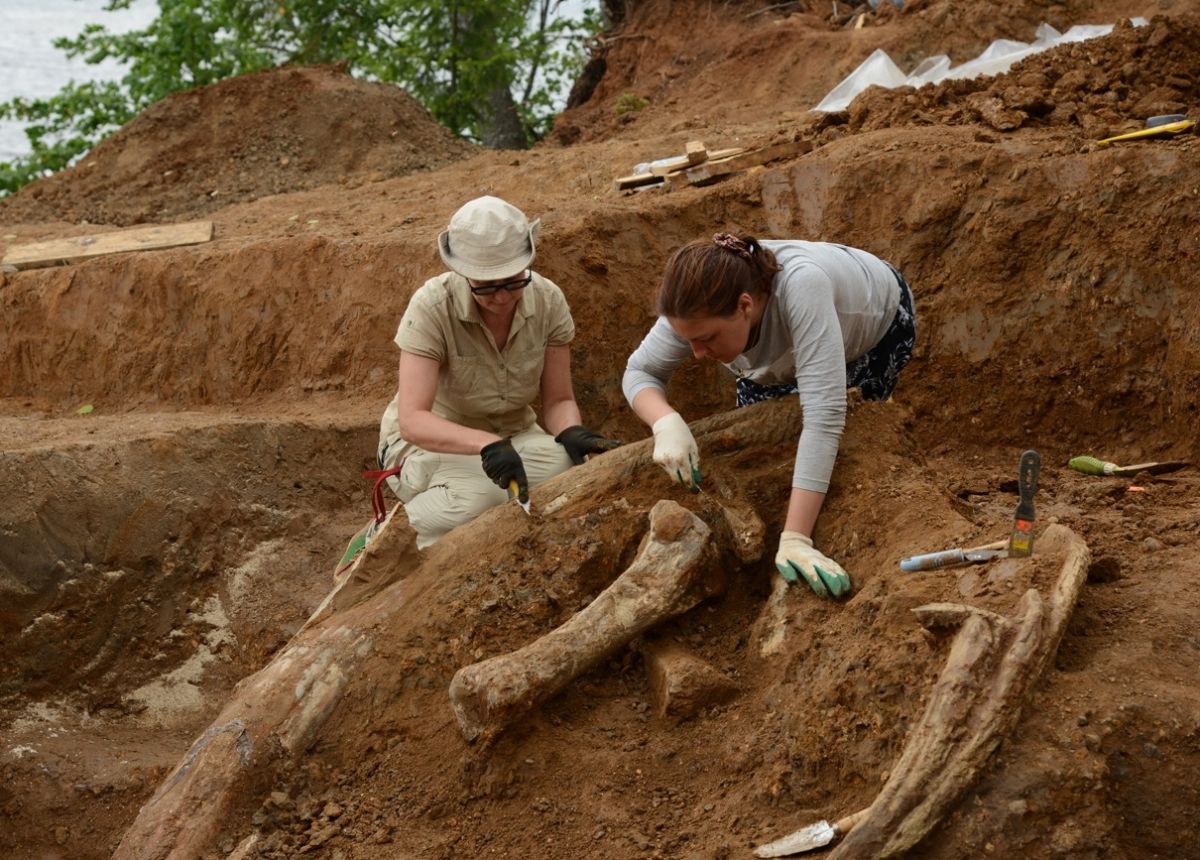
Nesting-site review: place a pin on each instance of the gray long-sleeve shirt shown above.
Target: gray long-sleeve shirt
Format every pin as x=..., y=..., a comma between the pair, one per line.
x=828, y=306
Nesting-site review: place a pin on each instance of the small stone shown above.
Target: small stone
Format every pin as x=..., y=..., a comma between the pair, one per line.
x=1018, y=807
x=331, y=810
x=61, y=834
x=1082, y=721
x=1091, y=741
x=1151, y=750
x=1152, y=544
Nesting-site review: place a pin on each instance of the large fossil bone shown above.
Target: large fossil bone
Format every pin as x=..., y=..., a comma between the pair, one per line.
x=277, y=713
x=667, y=578
x=993, y=664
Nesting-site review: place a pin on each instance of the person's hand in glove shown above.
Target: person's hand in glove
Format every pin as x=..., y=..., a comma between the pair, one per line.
x=503, y=465
x=580, y=442
x=797, y=557
x=675, y=450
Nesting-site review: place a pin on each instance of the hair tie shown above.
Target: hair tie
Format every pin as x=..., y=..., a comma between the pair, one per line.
x=732, y=243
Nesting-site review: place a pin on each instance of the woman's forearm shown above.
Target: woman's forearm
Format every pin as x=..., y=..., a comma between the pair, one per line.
x=434, y=433
x=560, y=415
x=803, y=509
x=650, y=404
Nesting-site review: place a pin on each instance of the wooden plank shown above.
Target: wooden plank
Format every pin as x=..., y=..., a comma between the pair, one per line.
x=714, y=168
x=621, y=183
x=60, y=251
x=684, y=161
x=674, y=165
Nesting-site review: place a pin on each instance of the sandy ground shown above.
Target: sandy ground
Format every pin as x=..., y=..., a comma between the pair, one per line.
x=160, y=548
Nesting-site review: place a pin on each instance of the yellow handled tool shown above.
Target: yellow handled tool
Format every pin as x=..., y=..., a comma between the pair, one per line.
x=1157, y=131
x=514, y=492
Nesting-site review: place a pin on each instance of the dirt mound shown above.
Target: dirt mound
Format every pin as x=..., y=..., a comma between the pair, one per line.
x=270, y=132
x=1102, y=85
x=699, y=69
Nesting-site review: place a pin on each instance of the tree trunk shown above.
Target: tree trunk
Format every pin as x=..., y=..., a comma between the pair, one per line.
x=504, y=127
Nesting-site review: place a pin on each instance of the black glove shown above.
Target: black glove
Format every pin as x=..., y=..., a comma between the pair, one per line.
x=580, y=441
x=502, y=464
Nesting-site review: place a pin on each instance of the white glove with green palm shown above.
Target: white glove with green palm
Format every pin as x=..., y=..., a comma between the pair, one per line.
x=676, y=451
x=797, y=557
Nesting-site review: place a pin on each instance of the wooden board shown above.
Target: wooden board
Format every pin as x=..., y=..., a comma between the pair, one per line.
x=59, y=251
x=685, y=161
x=672, y=166
x=715, y=168
x=621, y=183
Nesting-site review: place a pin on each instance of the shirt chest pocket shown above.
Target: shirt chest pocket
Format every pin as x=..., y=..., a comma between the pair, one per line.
x=481, y=387
x=521, y=374
x=465, y=380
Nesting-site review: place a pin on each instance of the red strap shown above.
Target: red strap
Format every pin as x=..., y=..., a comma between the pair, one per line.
x=378, y=505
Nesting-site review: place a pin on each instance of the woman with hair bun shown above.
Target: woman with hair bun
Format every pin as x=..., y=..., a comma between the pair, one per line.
x=786, y=317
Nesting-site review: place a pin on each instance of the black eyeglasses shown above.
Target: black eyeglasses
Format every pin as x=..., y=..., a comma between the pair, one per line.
x=508, y=286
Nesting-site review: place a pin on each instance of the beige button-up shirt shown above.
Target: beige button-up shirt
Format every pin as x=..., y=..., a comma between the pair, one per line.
x=479, y=386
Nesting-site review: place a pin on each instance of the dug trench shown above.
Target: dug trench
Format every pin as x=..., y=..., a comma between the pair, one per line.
x=1055, y=312
x=149, y=562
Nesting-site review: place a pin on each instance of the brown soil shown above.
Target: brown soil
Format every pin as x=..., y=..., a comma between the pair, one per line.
x=160, y=548
x=270, y=132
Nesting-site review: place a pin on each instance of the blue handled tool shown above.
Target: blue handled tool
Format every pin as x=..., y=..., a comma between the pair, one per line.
x=955, y=557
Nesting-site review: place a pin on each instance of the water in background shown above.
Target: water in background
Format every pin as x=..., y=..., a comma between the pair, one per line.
x=31, y=67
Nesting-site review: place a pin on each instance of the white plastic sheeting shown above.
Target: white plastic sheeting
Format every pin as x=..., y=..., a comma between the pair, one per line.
x=878, y=69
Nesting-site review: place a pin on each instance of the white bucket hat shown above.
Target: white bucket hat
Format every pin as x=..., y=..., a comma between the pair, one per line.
x=488, y=239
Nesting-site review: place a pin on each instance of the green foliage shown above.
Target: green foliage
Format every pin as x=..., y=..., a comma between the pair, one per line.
x=629, y=103
x=451, y=55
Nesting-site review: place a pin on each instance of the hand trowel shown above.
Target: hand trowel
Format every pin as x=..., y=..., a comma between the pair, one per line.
x=811, y=837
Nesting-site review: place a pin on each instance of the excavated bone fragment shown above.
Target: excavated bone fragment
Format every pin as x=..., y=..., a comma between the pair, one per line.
x=668, y=577
x=770, y=629
x=993, y=664
x=976, y=701
x=279, y=711
x=681, y=684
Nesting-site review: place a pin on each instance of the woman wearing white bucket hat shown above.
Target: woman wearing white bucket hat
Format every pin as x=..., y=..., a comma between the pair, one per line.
x=478, y=345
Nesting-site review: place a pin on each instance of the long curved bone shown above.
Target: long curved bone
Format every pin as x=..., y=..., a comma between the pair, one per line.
x=993, y=664
x=668, y=577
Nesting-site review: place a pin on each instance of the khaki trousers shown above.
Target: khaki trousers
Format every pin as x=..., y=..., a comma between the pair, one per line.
x=441, y=491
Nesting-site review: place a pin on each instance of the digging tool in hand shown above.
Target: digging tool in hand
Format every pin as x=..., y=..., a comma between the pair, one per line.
x=811, y=837
x=1094, y=466
x=514, y=492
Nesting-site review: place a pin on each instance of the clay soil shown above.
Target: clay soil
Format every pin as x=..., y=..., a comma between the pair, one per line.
x=160, y=548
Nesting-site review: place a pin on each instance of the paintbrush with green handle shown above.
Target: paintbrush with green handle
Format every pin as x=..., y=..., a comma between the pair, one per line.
x=1093, y=466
